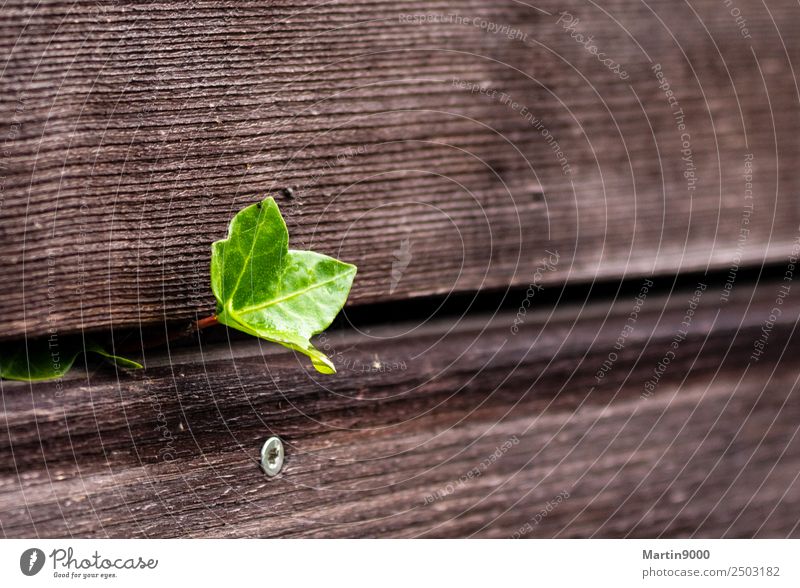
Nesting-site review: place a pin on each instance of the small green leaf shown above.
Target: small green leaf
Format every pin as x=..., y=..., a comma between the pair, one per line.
x=118, y=361
x=270, y=291
x=34, y=362
x=42, y=359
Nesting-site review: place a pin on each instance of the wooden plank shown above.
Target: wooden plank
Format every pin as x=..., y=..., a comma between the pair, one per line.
x=401, y=441
x=131, y=133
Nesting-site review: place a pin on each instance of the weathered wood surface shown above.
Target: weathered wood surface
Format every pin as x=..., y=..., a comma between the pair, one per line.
x=713, y=451
x=131, y=132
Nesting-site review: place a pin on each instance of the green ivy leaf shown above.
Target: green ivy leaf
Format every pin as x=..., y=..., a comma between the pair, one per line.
x=270, y=291
x=117, y=360
x=40, y=360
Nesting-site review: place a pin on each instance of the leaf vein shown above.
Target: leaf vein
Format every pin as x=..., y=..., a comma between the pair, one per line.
x=294, y=294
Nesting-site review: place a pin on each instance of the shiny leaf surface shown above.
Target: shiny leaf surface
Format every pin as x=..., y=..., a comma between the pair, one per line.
x=270, y=291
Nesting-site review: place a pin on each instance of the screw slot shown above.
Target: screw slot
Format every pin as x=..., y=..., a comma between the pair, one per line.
x=272, y=456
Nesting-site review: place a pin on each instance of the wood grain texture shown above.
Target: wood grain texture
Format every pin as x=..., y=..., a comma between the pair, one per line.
x=131, y=132
x=386, y=447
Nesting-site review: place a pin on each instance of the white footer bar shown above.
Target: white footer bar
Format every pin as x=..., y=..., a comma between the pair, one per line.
x=401, y=563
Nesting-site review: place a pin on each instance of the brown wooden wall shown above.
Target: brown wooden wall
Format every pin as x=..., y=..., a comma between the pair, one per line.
x=447, y=149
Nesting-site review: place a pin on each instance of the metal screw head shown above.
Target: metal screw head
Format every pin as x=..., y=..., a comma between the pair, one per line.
x=272, y=456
